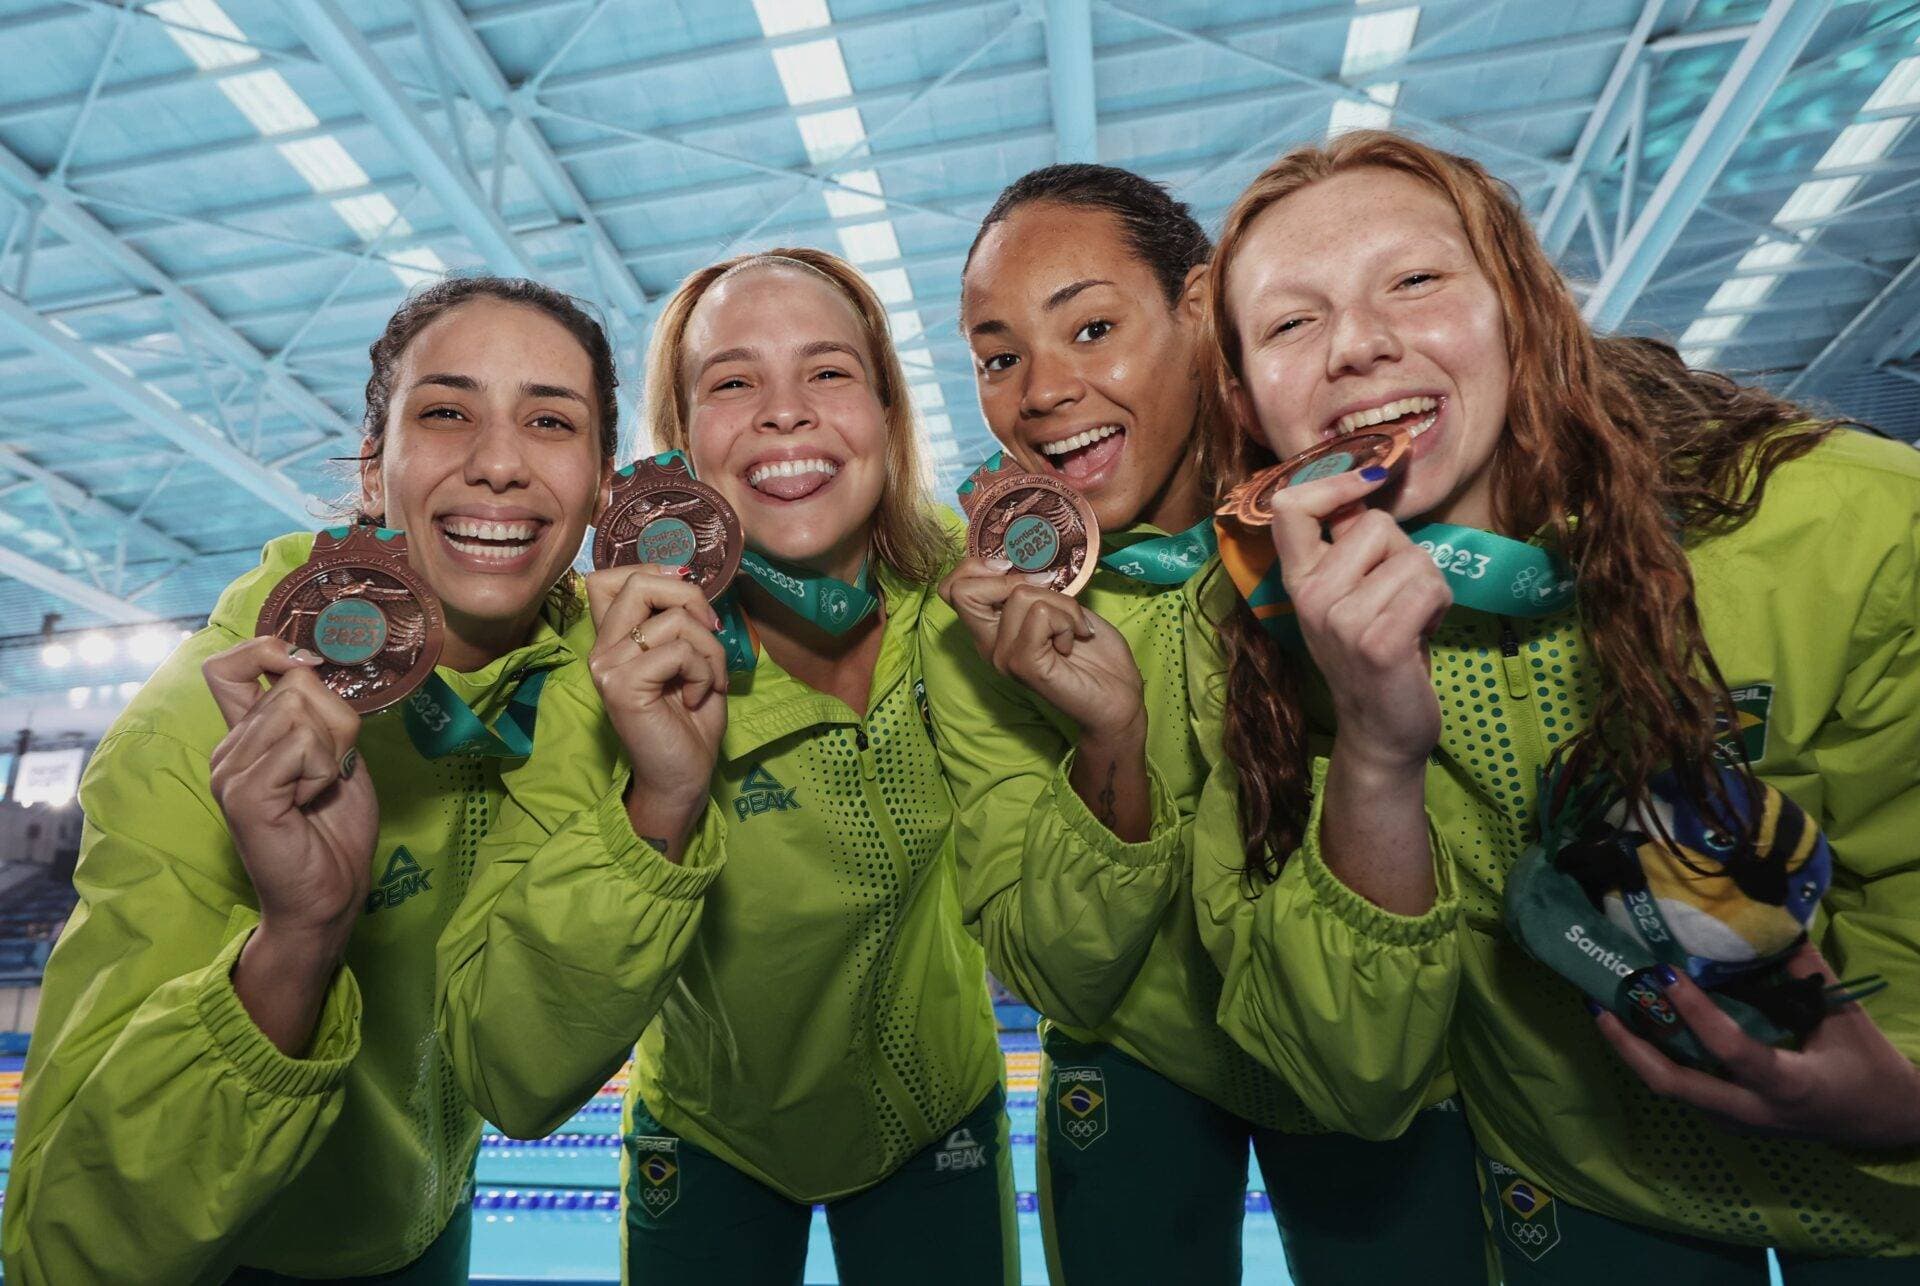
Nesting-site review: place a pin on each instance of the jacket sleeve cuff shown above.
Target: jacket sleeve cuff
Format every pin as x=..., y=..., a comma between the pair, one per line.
x=257, y=1060
x=1363, y=917
x=1163, y=842
x=684, y=880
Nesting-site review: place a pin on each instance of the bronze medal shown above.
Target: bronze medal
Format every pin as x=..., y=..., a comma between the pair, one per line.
x=1038, y=524
x=660, y=514
x=1251, y=501
x=359, y=605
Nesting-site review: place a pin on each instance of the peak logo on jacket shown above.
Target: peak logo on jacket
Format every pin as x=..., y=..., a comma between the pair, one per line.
x=404, y=878
x=760, y=793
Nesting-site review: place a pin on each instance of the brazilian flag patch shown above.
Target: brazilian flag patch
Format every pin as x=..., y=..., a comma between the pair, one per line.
x=1525, y=1213
x=1080, y=1105
x=654, y=1185
x=1752, y=704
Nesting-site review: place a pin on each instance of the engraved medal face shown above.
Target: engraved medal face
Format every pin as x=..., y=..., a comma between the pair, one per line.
x=660, y=514
x=1251, y=501
x=1039, y=525
x=356, y=602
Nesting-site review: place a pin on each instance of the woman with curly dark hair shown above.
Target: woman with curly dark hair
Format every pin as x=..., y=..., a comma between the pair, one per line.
x=1599, y=565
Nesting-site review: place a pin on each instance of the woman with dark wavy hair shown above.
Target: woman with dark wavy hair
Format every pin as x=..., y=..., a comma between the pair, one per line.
x=234, y=1075
x=1700, y=556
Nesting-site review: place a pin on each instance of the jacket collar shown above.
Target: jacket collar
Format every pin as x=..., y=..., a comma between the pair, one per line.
x=767, y=704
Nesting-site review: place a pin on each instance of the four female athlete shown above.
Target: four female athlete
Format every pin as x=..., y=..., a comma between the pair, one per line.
x=1249, y=863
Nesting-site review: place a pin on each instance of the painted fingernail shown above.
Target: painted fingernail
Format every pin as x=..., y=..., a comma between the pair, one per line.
x=305, y=657
x=1666, y=975
x=1593, y=1007
x=348, y=762
x=1373, y=473
x=686, y=572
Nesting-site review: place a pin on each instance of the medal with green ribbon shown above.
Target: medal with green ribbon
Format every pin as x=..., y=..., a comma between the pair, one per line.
x=440, y=723
x=833, y=605
x=1161, y=560
x=1486, y=572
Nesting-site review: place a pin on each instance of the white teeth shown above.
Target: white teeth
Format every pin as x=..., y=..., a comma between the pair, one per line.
x=496, y=553
x=1358, y=420
x=476, y=529
x=789, y=469
x=1079, y=440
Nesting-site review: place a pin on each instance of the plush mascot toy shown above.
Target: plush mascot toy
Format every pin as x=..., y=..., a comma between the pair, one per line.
x=1606, y=898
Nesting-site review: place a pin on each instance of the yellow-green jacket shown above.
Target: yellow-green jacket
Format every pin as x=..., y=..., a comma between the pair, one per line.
x=162, y=1137
x=1096, y=934
x=806, y=1003
x=1812, y=611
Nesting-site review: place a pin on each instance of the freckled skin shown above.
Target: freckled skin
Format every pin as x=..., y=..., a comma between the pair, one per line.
x=826, y=403
x=1047, y=375
x=1361, y=289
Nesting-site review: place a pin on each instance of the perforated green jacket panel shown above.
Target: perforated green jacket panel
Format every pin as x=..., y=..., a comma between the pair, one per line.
x=1812, y=611
x=831, y=1018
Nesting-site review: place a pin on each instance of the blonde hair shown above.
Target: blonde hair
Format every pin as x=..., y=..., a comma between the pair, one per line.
x=907, y=537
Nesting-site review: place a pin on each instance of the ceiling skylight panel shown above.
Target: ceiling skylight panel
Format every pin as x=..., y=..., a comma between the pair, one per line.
x=1816, y=200
x=869, y=243
x=1741, y=292
x=1374, y=40
x=831, y=135
x=892, y=286
x=842, y=204
x=324, y=164
x=812, y=72
x=268, y=102
x=815, y=72
x=1901, y=88
x=273, y=107
x=208, y=16
x=1860, y=143
x=784, y=17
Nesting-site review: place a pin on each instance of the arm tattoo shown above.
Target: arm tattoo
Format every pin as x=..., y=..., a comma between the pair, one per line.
x=1108, y=797
x=659, y=842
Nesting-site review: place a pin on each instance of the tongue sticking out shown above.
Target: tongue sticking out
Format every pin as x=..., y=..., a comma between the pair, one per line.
x=794, y=487
x=1086, y=462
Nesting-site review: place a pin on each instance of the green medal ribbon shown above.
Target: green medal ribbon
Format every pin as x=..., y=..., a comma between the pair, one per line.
x=834, y=605
x=1487, y=572
x=440, y=723
x=993, y=464
x=1164, y=560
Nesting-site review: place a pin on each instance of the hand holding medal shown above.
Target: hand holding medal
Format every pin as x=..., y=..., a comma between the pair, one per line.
x=1033, y=543
x=664, y=547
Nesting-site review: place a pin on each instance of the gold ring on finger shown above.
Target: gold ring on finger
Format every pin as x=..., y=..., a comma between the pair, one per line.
x=639, y=635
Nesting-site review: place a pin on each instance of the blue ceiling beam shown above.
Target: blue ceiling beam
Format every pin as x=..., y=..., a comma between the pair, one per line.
x=150, y=540
x=1881, y=332
x=71, y=589
x=1070, y=79
x=331, y=35
x=479, y=75
x=135, y=399
x=1600, y=138
x=76, y=224
x=1762, y=63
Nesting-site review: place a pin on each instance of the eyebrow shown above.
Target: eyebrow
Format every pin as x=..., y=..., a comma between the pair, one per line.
x=550, y=390
x=1057, y=299
x=814, y=349
x=468, y=384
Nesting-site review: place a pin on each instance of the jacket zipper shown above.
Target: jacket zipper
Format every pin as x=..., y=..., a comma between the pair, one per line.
x=1524, y=718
